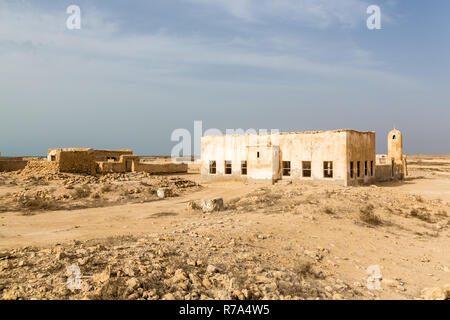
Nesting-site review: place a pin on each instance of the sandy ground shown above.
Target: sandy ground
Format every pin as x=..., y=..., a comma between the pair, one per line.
x=409, y=240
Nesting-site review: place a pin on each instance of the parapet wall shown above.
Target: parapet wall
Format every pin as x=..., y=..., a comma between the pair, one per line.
x=136, y=166
x=111, y=167
x=162, y=167
x=105, y=155
x=7, y=165
x=385, y=172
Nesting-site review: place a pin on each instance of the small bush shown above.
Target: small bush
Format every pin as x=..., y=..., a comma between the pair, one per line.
x=328, y=210
x=442, y=213
x=82, y=192
x=303, y=268
x=106, y=188
x=367, y=215
x=422, y=215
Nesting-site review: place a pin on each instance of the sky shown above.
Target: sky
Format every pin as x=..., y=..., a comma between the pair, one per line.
x=137, y=70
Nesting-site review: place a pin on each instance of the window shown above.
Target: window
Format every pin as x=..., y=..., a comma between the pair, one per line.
x=328, y=169
x=244, y=168
x=306, y=169
x=212, y=167
x=358, y=169
x=366, y=169
x=257, y=154
x=371, y=168
x=53, y=158
x=351, y=169
x=286, y=168
x=394, y=137
x=227, y=167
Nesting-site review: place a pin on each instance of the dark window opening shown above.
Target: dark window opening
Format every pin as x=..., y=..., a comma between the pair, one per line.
x=365, y=168
x=53, y=158
x=351, y=169
x=328, y=169
x=371, y=168
x=257, y=154
x=306, y=169
x=394, y=137
x=212, y=167
x=358, y=169
x=244, y=168
x=392, y=168
x=286, y=168
x=227, y=167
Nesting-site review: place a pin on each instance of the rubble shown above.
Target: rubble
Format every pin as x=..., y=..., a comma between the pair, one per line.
x=211, y=205
x=41, y=188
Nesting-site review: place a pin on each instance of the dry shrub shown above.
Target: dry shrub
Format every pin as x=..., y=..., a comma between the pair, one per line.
x=422, y=215
x=82, y=192
x=367, y=215
x=328, y=210
x=303, y=268
x=106, y=188
x=442, y=213
x=30, y=205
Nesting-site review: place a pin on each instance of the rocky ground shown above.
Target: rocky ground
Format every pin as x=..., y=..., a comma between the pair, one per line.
x=180, y=265
x=32, y=190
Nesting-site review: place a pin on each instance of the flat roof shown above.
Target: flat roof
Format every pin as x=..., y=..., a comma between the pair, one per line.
x=292, y=132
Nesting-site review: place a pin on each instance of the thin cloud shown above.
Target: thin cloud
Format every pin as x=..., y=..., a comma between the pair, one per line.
x=319, y=14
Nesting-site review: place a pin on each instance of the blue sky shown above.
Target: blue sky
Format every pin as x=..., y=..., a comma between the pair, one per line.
x=137, y=70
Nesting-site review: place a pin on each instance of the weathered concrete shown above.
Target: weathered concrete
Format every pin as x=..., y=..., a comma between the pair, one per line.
x=8, y=164
x=393, y=165
x=270, y=157
x=86, y=160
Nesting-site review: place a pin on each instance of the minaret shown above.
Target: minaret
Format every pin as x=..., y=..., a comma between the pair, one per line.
x=395, y=146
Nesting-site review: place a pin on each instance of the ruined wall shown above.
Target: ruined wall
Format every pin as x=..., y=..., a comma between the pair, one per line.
x=76, y=161
x=131, y=163
x=110, y=167
x=8, y=164
x=126, y=163
x=194, y=167
x=104, y=155
x=361, y=148
x=387, y=172
x=315, y=147
x=163, y=167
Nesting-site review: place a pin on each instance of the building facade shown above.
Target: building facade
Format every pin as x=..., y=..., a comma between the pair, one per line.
x=345, y=157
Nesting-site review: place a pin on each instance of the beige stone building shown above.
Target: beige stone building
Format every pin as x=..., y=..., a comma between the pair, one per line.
x=91, y=161
x=346, y=157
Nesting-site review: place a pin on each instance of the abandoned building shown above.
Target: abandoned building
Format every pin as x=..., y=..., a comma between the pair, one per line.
x=12, y=163
x=91, y=161
x=346, y=157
